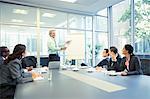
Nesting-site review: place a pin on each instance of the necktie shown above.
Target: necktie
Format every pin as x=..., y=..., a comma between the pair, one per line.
x=56, y=46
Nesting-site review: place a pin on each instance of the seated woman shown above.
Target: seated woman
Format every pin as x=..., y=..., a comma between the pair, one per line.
x=130, y=64
x=14, y=62
x=12, y=73
x=114, y=62
x=4, y=52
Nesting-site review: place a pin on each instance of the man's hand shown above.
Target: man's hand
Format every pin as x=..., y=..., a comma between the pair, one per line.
x=64, y=48
x=99, y=69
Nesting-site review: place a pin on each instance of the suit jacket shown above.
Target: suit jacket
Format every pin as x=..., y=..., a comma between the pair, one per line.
x=103, y=62
x=100, y=64
x=134, y=65
x=1, y=60
x=12, y=73
x=114, y=65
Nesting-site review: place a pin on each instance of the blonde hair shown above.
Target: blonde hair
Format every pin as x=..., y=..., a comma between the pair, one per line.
x=51, y=31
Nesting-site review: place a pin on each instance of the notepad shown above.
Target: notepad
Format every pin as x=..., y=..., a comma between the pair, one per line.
x=39, y=78
x=97, y=83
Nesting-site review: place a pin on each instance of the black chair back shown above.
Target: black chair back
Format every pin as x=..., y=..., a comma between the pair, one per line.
x=29, y=61
x=145, y=66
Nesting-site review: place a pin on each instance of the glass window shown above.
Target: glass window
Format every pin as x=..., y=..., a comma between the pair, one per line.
x=142, y=27
x=12, y=35
x=88, y=49
x=20, y=15
x=101, y=39
x=102, y=12
x=76, y=21
x=121, y=25
x=50, y=18
x=17, y=26
x=88, y=23
x=101, y=24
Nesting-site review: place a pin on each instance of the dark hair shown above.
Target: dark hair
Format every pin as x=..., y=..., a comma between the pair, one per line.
x=4, y=50
x=106, y=50
x=129, y=48
x=114, y=49
x=17, y=53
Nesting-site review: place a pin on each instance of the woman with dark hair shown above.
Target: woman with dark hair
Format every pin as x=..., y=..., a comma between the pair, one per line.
x=115, y=59
x=12, y=73
x=14, y=62
x=130, y=64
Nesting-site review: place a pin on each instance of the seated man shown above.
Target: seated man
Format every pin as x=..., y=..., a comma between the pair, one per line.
x=4, y=52
x=105, y=55
x=103, y=62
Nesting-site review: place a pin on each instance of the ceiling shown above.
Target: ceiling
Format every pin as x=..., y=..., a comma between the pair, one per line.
x=90, y=7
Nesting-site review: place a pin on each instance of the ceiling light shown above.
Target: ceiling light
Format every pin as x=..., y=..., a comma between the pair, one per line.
x=71, y=1
x=16, y=20
x=50, y=15
x=20, y=11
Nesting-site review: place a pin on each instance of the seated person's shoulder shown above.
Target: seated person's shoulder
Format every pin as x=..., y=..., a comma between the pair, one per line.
x=123, y=58
x=16, y=61
x=135, y=57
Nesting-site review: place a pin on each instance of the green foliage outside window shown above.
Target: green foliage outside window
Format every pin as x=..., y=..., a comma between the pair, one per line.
x=142, y=21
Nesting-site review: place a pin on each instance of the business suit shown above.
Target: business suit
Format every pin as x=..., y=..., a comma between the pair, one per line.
x=103, y=62
x=11, y=75
x=100, y=64
x=1, y=60
x=7, y=84
x=134, y=65
x=17, y=72
x=114, y=65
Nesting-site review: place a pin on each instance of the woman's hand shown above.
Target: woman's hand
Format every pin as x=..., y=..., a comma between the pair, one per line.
x=35, y=75
x=124, y=74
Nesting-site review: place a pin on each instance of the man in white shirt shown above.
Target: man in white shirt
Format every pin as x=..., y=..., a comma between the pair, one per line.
x=52, y=47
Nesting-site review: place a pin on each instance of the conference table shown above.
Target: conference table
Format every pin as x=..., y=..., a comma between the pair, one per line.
x=66, y=85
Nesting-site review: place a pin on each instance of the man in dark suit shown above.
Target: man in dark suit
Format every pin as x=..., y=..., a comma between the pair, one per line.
x=105, y=55
x=104, y=61
x=4, y=52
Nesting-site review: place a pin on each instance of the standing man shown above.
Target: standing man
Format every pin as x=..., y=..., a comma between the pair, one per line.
x=52, y=47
